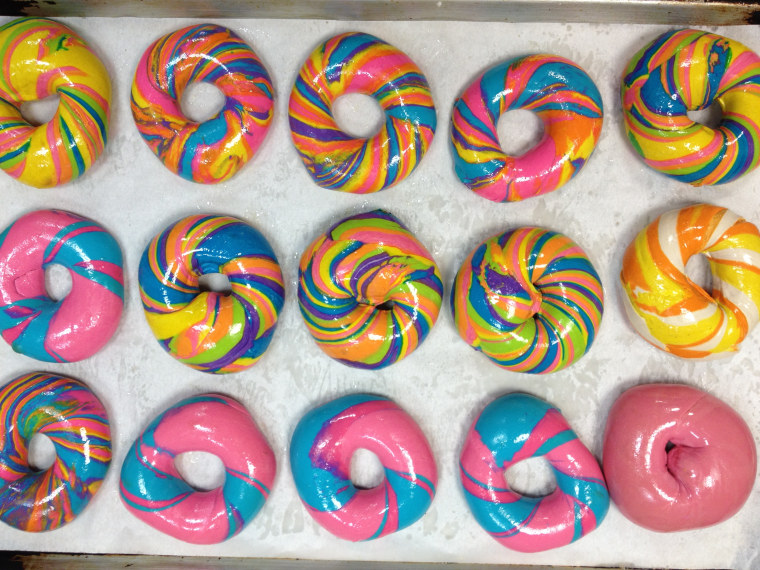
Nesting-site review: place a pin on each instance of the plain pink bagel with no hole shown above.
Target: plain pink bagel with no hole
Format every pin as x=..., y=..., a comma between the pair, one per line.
x=676, y=458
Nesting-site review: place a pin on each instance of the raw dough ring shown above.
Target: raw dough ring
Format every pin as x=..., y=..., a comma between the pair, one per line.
x=671, y=311
x=81, y=323
x=153, y=490
x=214, y=150
x=320, y=456
x=360, y=63
x=369, y=291
x=529, y=299
x=677, y=458
x=687, y=70
x=71, y=416
x=211, y=331
x=42, y=57
x=560, y=93
x=513, y=428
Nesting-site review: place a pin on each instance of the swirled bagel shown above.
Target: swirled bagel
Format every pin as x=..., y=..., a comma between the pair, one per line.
x=529, y=299
x=689, y=70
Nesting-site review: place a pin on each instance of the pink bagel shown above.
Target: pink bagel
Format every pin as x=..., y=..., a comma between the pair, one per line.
x=676, y=458
x=154, y=491
x=81, y=323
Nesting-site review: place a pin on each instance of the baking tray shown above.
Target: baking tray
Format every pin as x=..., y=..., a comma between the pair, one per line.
x=444, y=383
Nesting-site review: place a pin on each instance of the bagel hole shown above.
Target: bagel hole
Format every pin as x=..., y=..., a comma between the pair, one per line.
x=519, y=131
x=57, y=281
x=202, y=471
x=710, y=116
x=216, y=283
x=698, y=270
x=366, y=471
x=532, y=477
x=668, y=446
x=385, y=306
x=40, y=111
x=358, y=115
x=201, y=101
x=41, y=452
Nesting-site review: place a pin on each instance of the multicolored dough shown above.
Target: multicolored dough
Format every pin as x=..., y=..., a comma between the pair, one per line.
x=671, y=311
x=513, y=428
x=677, y=458
x=41, y=58
x=560, y=93
x=689, y=70
x=153, y=490
x=214, y=150
x=360, y=63
x=211, y=331
x=320, y=456
x=74, y=420
x=81, y=323
x=529, y=299
x=369, y=291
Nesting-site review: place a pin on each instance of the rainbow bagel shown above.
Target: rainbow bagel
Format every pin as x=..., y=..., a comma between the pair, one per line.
x=81, y=323
x=511, y=429
x=320, y=457
x=360, y=63
x=154, y=491
x=671, y=311
x=207, y=330
x=72, y=417
x=677, y=458
x=42, y=57
x=560, y=93
x=529, y=299
x=688, y=70
x=214, y=150
x=369, y=291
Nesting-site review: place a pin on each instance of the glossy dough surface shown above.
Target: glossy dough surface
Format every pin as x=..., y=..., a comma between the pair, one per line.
x=213, y=150
x=560, y=93
x=671, y=311
x=41, y=58
x=529, y=299
x=689, y=70
x=369, y=291
x=320, y=456
x=81, y=323
x=211, y=331
x=361, y=63
x=513, y=428
x=75, y=421
x=677, y=458
x=153, y=490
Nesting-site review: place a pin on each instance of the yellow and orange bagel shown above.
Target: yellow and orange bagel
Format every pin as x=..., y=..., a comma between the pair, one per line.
x=671, y=311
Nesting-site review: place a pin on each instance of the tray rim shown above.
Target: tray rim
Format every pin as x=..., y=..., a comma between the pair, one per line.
x=691, y=12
